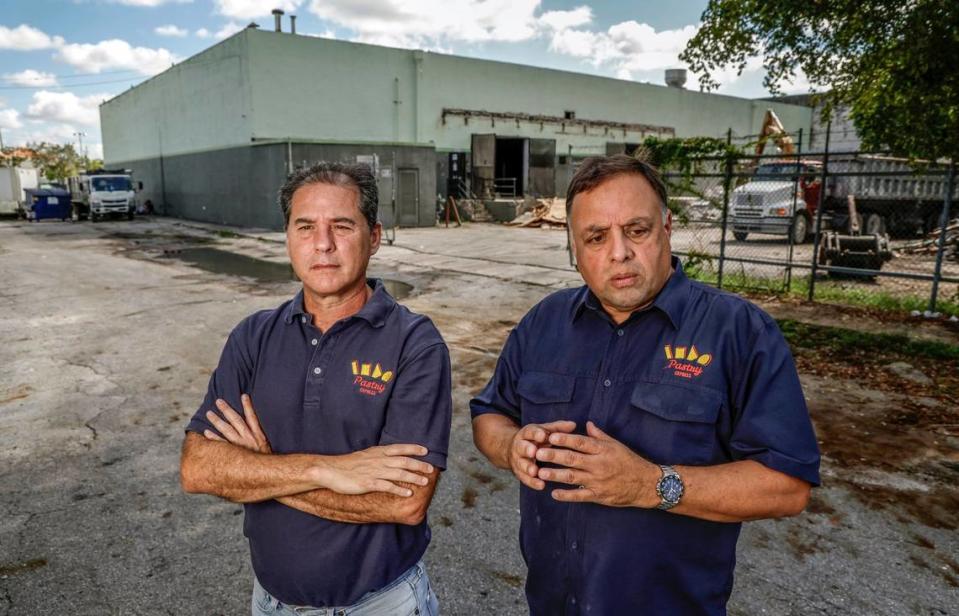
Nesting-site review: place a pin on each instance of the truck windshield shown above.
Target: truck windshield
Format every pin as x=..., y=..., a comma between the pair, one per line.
x=108, y=184
x=771, y=172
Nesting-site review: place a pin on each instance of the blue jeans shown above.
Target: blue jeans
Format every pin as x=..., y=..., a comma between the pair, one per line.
x=409, y=595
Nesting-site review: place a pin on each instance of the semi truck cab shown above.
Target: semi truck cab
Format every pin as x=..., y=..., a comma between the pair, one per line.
x=779, y=199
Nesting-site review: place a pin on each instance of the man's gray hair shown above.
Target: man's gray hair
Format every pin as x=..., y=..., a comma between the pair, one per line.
x=353, y=175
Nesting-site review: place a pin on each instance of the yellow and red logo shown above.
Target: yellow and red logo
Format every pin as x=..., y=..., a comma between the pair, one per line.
x=370, y=378
x=686, y=362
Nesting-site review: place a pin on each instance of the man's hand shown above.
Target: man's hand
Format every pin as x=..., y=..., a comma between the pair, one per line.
x=526, y=444
x=376, y=469
x=241, y=431
x=605, y=471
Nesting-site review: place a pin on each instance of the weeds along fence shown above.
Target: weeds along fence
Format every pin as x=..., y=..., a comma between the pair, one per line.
x=840, y=225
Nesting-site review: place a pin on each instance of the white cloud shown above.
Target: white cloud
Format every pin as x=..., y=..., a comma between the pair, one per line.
x=625, y=47
x=31, y=77
x=27, y=38
x=203, y=33
x=423, y=23
x=248, y=9
x=150, y=3
x=171, y=30
x=799, y=84
x=10, y=119
x=562, y=20
x=228, y=29
x=66, y=107
x=116, y=54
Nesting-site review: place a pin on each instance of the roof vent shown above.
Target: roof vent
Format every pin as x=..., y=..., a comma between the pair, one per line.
x=277, y=14
x=675, y=77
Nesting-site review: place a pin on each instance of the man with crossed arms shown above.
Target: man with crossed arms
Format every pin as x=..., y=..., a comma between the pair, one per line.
x=338, y=463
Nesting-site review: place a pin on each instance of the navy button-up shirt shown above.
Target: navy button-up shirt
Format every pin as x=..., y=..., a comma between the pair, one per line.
x=379, y=377
x=700, y=377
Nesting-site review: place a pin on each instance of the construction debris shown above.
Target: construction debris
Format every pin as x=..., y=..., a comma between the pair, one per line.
x=550, y=213
x=929, y=245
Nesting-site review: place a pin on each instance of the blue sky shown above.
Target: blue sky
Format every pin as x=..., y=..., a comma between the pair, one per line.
x=60, y=58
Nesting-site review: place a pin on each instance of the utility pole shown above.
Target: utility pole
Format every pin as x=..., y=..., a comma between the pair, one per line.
x=80, y=137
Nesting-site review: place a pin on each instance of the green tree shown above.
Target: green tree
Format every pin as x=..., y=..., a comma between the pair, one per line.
x=894, y=64
x=58, y=161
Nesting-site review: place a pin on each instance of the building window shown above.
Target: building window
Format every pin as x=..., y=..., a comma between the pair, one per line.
x=569, y=115
x=563, y=159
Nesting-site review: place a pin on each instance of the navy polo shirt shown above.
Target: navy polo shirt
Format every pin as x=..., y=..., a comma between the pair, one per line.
x=378, y=377
x=700, y=377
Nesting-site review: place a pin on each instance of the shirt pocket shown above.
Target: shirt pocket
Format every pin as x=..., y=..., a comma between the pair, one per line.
x=671, y=424
x=545, y=396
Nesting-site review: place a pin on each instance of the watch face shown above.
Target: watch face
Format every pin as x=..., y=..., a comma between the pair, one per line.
x=671, y=488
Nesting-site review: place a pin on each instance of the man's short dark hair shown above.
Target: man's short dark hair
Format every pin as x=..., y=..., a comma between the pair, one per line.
x=353, y=175
x=597, y=169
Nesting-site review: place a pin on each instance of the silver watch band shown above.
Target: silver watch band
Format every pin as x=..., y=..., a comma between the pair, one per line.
x=668, y=471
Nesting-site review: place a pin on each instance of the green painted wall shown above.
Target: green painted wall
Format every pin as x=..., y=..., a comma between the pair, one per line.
x=261, y=84
x=200, y=104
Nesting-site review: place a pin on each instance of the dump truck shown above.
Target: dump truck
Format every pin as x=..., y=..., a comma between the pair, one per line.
x=101, y=193
x=782, y=196
x=14, y=182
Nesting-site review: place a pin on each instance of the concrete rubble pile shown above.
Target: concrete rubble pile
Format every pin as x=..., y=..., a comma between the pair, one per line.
x=549, y=213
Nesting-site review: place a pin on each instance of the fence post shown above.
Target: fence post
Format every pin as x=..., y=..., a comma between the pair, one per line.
x=941, y=248
x=819, y=206
x=726, y=186
x=792, y=213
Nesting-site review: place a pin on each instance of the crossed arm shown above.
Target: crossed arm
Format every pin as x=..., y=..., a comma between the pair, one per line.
x=379, y=484
x=605, y=471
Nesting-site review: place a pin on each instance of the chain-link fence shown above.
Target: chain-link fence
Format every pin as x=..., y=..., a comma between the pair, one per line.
x=850, y=227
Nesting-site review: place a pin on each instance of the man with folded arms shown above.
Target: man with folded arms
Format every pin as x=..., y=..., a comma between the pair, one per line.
x=338, y=461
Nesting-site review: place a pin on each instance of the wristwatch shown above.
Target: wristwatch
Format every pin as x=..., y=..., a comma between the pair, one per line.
x=669, y=488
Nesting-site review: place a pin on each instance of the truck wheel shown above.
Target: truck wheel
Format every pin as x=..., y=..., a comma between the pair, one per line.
x=874, y=224
x=740, y=235
x=799, y=229
x=94, y=218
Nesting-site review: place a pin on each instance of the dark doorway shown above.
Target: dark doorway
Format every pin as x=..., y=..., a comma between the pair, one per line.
x=512, y=166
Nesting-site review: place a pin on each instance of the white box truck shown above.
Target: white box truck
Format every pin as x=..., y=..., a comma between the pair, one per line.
x=101, y=193
x=14, y=181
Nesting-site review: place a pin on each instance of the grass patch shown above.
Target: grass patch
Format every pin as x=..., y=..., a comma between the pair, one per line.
x=230, y=235
x=844, y=292
x=841, y=340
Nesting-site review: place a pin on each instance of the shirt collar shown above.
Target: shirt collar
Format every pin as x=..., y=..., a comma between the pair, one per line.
x=671, y=299
x=374, y=311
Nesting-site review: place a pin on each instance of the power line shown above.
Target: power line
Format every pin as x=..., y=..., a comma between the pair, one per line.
x=72, y=85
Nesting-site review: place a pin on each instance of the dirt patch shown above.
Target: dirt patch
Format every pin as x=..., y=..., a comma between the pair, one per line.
x=17, y=393
x=514, y=581
x=30, y=565
x=468, y=497
x=859, y=318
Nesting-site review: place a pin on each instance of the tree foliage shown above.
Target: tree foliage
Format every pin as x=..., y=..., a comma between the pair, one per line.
x=894, y=64
x=59, y=161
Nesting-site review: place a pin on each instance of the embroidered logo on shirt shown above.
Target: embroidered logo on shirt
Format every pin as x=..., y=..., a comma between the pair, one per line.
x=371, y=379
x=686, y=362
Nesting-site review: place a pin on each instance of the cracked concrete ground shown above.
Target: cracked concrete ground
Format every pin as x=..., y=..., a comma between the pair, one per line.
x=108, y=339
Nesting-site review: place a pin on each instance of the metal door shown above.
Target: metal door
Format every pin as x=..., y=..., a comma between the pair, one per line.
x=408, y=196
x=542, y=167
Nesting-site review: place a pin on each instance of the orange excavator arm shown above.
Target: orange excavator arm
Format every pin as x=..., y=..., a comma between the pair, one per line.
x=774, y=129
